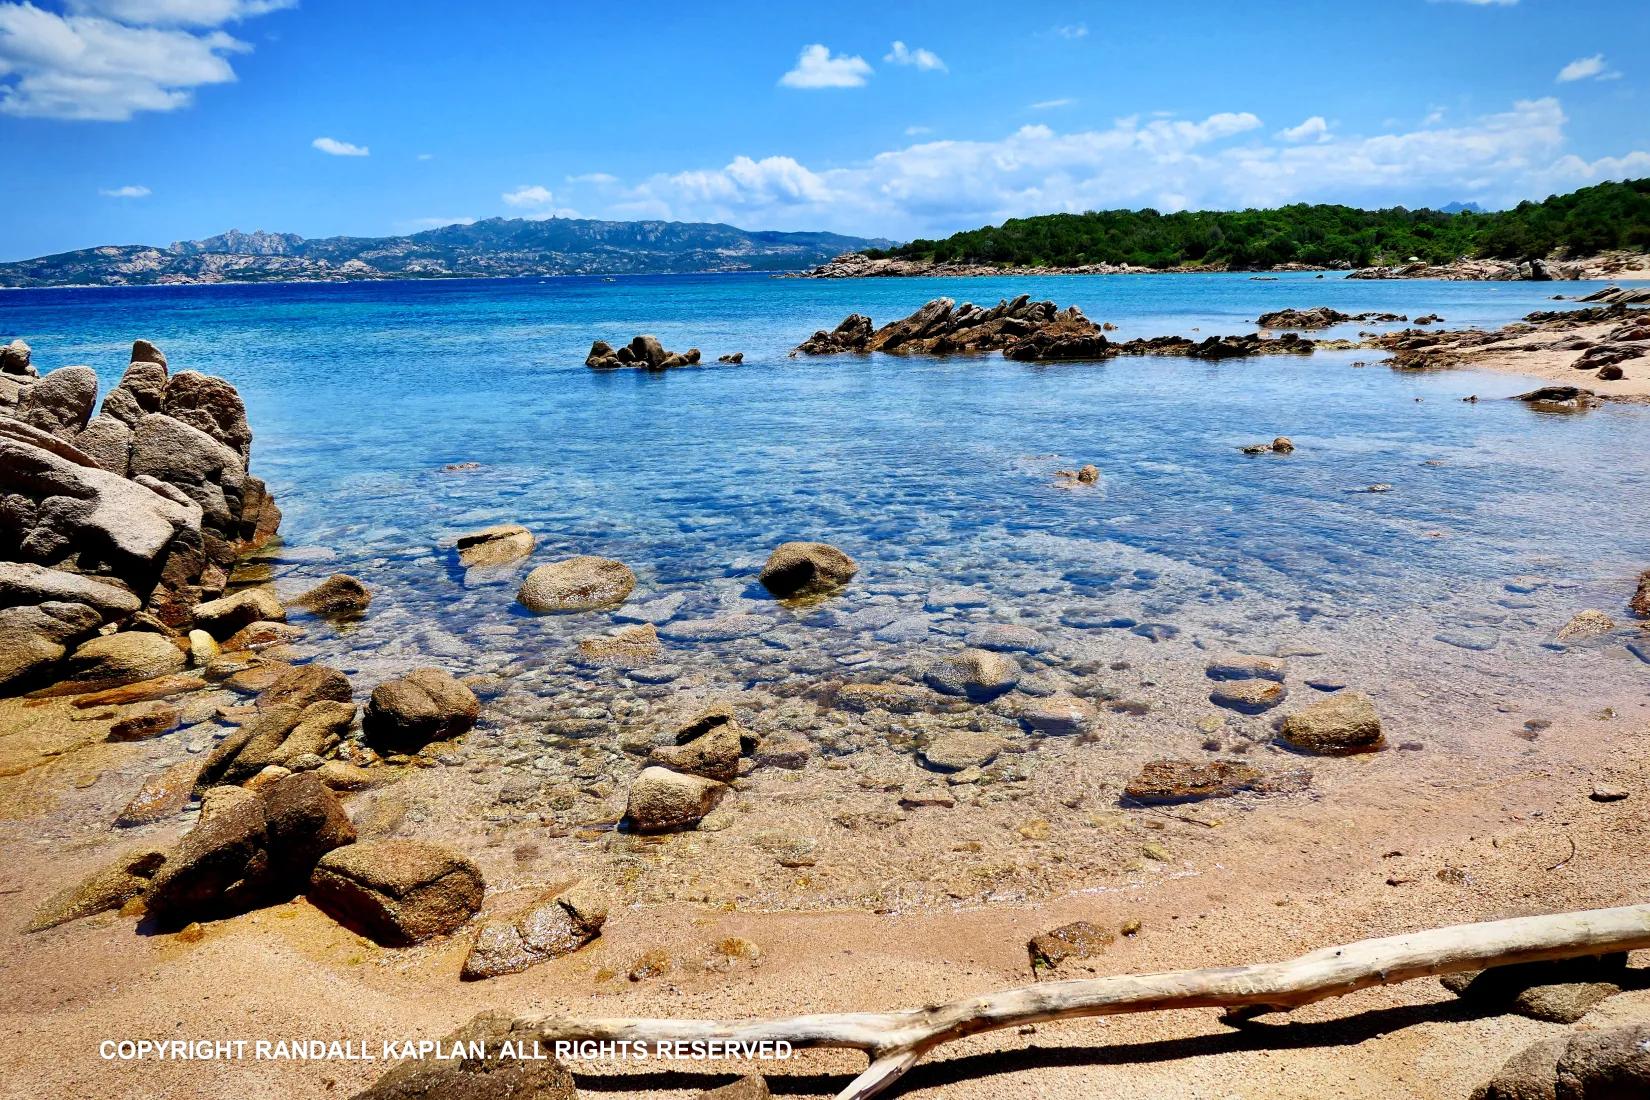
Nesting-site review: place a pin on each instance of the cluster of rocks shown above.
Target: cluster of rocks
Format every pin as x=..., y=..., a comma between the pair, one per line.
x=857, y=265
x=117, y=528
x=643, y=353
x=1322, y=317
x=1026, y=331
x=1606, y=355
x=1465, y=270
x=1619, y=295
x=1019, y=328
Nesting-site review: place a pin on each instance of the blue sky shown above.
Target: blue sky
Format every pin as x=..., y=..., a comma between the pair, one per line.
x=148, y=121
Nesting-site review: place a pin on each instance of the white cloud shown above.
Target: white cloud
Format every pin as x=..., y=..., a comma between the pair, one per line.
x=178, y=13
x=426, y=156
x=598, y=179
x=925, y=60
x=1073, y=30
x=1313, y=129
x=1051, y=104
x=88, y=67
x=130, y=191
x=816, y=68
x=1587, y=68
x=332, y=147
x=1222, y=161
x=918, y=131
x=529, y=195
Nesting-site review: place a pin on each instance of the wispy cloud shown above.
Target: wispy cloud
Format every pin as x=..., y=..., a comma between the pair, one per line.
x=84, y=65
x=332, y=147
x=130, y=191
x=925, y=60
x=918, y=131
x=529, y=195
x=426, y=156
x=1587, y=68
x=817, y=68
x=598, y=179
x=1051, y=104
x=1313, y=129
x=1072, y=30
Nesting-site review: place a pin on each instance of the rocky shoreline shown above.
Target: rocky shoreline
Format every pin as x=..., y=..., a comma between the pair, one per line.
x=138, y=609
x=1610, y=265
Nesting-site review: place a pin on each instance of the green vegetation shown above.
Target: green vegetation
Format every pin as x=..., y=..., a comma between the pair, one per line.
x=1584, y=223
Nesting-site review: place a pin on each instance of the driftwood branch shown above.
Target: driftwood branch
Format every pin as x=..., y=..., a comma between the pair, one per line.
x=896, y=1041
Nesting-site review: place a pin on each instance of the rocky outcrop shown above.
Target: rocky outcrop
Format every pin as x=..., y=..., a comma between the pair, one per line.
x=258, y=850
x=802, y=569
x=643, y=352
x=109, y=887
x=276, y=736
x=1322, y=317
x=16, y=360
x=553, y=926
x=1640, y=602
x=44, y=613
x=397, y=892
x=584, y=583
x=1019, y=328
x=427, y=704
x=150, y=496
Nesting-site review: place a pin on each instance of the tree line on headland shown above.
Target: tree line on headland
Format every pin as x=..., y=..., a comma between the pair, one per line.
x=1595, y=219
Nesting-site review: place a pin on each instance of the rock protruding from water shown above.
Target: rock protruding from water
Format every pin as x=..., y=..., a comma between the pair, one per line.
x=339, y=598
x=397, y=892
x=802, y=569
x=1019, y=328
x=710, y=746
x=1343, y=724
x=643, y=352
x=662, y=800
x=1640, y=603
x=427, y=704
x=493, y=546
x=584, y=583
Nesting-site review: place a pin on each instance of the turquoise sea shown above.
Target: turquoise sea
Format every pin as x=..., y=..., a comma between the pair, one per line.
x=937, y=475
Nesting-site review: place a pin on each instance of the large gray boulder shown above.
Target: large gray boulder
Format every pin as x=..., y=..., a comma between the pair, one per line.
x=124, y=658
x=138, y=394
x=210, y=405
x=60, y=403
x=58, y=512
x=207, y=471
x=45, y=612
x=397, y=892
x=109, y=442
x=661, y=800
x=14, y=360
x=584, y=583
x=801, y=569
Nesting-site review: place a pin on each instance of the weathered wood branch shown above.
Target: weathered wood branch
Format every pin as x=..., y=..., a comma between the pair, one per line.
x=896, y=1041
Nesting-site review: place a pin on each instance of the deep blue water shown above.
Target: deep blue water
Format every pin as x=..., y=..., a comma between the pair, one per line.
x=934, y=474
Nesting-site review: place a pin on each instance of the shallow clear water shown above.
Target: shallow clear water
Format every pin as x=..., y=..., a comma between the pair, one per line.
x=934, y=474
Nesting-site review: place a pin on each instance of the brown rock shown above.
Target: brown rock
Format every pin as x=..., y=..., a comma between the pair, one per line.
x=397, y=892
x=1166, y=781
x=126, y=658
x=222, y=617
x=1248, y=696
x=307, y=684
x=1640, y=603
x=1340, y=725
x=493, y=546
x=161, y=796
x=152, y=721
x=632, y=647
x=338, y=598
x=583, y=583
x=551, y=927
x=1077, y=940
x=427, y=704
x=661, y=799
x=750, y=1087
x=109, y=887
x=709, y=746
x=802, y=569
x=494, y=1077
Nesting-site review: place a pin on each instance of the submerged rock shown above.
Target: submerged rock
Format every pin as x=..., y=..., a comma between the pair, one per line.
x=631, y=647
x=1340, y=725
x=583, y=583
x=1059, y=714
x=494, y=546
x=397, y=892
x=957, y=750
x=1167, y=781
x=799, y=569
x=976, y=674
x=340, y=597
x=1248, y=696
x=1242, y=666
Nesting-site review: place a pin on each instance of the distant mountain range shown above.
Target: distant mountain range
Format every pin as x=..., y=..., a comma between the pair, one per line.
x=496, y=247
